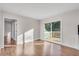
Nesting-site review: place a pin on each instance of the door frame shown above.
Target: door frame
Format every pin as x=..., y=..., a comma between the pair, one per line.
x=15, y=20
x=61, y=30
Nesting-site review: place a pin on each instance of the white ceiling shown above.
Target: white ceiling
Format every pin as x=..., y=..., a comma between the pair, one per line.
x=39, y=10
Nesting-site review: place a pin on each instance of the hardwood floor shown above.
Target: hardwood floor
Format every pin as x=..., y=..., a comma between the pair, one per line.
x=38, y=48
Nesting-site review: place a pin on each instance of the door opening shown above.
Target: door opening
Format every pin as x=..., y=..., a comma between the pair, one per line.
x=53, y=31
x=10, y=34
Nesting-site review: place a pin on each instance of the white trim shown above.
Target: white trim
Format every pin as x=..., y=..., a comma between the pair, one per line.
x=3, y=29
x=64, y=44
x=1, y=46
x=11, y=27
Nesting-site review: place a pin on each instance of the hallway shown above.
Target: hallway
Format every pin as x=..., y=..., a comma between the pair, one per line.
x=38, y=48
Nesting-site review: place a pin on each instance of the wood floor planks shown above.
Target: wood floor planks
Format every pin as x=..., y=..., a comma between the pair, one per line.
x=38, y=48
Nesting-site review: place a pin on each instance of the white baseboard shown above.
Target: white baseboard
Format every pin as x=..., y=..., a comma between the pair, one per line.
x=1, y=46
x=64, y=44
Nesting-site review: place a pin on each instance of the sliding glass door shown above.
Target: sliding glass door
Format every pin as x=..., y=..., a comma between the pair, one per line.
x=52, y=31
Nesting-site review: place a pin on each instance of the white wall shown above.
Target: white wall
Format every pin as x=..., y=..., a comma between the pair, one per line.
x=9, y=28
x=70, y=20
x=24, y=24
x=13, y=30
x=1, y=30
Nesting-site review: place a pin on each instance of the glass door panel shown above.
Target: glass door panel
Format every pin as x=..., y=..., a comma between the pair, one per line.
x=47, y=31
x=52, y=31
x=56, y=31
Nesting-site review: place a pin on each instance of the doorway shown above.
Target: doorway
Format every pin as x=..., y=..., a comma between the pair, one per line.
x=53, y=31
x=10, y=32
